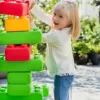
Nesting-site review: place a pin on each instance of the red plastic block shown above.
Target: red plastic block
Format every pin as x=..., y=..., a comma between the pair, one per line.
x=18, y=52
x=15, y=7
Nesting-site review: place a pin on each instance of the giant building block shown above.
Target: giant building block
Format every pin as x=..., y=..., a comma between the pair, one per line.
x=17, y=8
x=18, y=52
x=34, y=64
x=29, y=37
x=17, y=24
x=19, y=78
x=19, y=90
x=36, y=94
x=45, y=90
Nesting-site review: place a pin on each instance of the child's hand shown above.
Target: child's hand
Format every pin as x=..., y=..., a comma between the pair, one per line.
x=31, y=4
x=30, y=17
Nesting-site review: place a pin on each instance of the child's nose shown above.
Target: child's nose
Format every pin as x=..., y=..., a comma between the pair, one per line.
x=55, y=18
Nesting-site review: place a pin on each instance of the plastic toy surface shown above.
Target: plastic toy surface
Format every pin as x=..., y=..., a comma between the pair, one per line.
x=17, y=60
x=19, y=78
x=37, y=93
x=17, y=24
x=28, y=37
x=34, y=64
x=18, y=52
x=17, y=8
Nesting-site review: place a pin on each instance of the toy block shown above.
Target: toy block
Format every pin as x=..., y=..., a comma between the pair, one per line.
x=19, y=90
x=34, y=64
x=29, y=37
x=17, y=24
x=38, y=92
x=35, y=95
x=18, y=52
x=17, y=8
x=45, y=90
x=19, y=78
x=37, y=55
x=3, y=87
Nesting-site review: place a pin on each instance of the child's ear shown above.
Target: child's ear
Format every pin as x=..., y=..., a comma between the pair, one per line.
x=70, y=24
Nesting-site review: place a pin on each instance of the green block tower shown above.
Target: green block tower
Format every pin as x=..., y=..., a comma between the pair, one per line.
x=18, y=63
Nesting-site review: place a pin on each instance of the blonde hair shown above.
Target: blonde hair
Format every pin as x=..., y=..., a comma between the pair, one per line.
x=71, y=9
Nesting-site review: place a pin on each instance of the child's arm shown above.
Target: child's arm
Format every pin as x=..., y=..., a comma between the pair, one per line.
x=41, y=15
x=50, y=38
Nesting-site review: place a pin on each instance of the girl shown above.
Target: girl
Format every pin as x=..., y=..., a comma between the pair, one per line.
x=59, y=59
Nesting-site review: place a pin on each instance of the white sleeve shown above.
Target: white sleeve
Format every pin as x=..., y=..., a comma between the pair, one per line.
x=41, y=15
x=50, y=38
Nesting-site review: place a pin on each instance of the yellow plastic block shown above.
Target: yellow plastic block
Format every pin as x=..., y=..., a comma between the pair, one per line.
x=17, y=24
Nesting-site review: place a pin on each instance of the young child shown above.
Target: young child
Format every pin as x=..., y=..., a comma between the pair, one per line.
x=64, y=24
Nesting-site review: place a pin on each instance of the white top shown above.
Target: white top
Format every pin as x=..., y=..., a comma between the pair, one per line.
x=59, y=58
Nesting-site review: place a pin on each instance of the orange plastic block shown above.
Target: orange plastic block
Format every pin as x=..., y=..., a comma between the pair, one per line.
x=18, y=52
x=17, y=24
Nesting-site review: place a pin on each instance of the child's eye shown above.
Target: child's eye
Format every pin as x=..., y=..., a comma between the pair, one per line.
x=55, y=14
x=60, y=16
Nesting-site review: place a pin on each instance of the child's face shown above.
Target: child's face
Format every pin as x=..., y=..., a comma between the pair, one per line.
x=60, y=20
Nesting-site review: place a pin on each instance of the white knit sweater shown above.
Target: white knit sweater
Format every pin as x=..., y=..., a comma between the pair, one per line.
x=59, y=58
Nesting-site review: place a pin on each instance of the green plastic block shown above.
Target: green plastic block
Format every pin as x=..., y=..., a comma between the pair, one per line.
x=34, y=64
x=19, y=78
x=19, y=90
x=28, y=37
x=45, y=90
x=33, y=96
x=1, y=58
x=4, y=86
x=37, y=88
x=3, y=90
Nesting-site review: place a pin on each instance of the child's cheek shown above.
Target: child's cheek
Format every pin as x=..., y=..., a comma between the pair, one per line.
x=53, y=26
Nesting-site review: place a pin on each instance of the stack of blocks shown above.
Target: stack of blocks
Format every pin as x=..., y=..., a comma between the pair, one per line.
x=17, y=61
